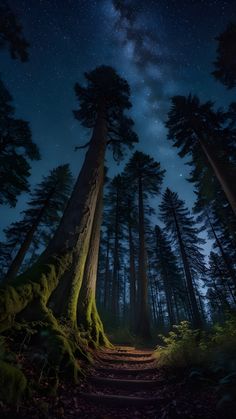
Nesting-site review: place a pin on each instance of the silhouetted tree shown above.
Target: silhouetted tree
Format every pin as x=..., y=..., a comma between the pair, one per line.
x=169, y=271
x=147, y=175
x=197, y=130
x=16, y=149
x=102, y=105
x=11, y=36
x=181, y=226
x=225, y=64
x=45, y=208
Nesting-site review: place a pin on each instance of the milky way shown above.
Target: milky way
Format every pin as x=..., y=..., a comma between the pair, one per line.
x=161, y=47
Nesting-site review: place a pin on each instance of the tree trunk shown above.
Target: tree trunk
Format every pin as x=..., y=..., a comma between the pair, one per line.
x=87, y=316
x=133, y=307
x=196, y=318
x=107, y=273
x=73, y=234
x=144, y=324
x=153, y=305
x=167, y=287
x=115, y=273
x=226, y=179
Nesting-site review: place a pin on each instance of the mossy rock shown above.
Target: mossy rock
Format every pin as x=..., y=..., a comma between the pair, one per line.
x=13, y=383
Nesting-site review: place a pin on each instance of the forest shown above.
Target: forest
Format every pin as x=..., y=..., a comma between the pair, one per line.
x=110, y=304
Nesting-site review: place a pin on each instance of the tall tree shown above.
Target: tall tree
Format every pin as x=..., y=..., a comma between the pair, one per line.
x=169, y=271
x=16, y=149
x=55, y=282
x=102, y=105
x=147, y=176
x=197, y=130
x=225, y=64
x=130, y=220
x=181, y=226
x=11, y=36
x=45, y=209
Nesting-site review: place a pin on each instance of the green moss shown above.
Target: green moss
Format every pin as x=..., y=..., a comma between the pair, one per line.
x=37, y=283
x=90, y=321
x=76, y=285
x=13, y=383
x=27, y=298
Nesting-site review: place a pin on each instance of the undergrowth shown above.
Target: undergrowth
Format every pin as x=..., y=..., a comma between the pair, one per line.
x=210, y=357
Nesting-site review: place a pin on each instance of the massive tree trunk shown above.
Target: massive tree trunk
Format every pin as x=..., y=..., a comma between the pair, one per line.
x=18, y=259
x=87, y=315
x=225, y=176
x=144, y=324
x=75, y=229
x=196, y=318
x=48, y=292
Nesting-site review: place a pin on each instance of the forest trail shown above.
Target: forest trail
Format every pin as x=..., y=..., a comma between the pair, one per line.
x=124, y=380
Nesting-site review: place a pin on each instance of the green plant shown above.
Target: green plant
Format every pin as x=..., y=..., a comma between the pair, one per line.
x=183, y=347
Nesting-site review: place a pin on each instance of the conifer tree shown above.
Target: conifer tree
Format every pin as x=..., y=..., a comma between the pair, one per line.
x=169, y=271
x=197, y=130
x=45, y=208
x=225, y=65
x=147, y=176
x=11, y=36
x=181, y=226
x=16, y=149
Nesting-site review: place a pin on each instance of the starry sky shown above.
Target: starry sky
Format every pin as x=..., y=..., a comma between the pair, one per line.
x=162, y=47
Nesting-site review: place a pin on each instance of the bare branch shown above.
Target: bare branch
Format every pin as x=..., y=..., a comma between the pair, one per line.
x=82, y=146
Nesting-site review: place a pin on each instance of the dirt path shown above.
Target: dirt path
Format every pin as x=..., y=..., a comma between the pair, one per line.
x=123, y=383
x=127, y=383
x=123, y=378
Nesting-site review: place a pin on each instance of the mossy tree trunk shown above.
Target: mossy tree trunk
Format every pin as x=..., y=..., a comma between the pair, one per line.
x=75, y=229
x=48, y=292
x=87, y=315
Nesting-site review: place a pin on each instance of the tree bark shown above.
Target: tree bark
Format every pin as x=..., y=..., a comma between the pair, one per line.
x=75, y=229
x=87, y=316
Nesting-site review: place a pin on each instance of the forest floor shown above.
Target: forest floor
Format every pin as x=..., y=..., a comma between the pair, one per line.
x=123, y=383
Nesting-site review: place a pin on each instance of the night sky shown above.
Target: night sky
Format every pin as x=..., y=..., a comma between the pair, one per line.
x=161, y=47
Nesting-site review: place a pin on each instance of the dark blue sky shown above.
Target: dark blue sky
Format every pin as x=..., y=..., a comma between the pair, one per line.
x=162, y=48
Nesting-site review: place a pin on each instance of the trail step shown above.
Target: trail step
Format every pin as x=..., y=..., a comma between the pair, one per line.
x=129, y=354
x=125, y=371
x=120, y=401
x=124, y=384
x=126, y=360
x=124, y=348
